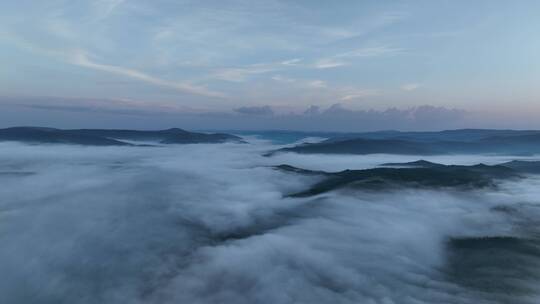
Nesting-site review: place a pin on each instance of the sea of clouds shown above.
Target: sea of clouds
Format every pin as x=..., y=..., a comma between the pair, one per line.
x=211, y=223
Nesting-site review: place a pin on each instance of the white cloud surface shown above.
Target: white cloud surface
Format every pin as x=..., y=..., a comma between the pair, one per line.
x=209, y=224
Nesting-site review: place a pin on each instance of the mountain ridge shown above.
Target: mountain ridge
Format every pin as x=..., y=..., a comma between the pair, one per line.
x=418, y=174
x=461, y=141
x=111, y=137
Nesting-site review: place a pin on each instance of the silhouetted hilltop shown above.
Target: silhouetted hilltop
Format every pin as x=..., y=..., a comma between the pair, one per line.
x=55, y=136
x=169, y=136
x=99, y=137
x=428, y=143
x=460, y=135
x=524, y=166
x=427, y=175
x=363, y=146
x=419, y=163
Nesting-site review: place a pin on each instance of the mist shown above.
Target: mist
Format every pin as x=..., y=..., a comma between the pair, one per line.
x=212, y=223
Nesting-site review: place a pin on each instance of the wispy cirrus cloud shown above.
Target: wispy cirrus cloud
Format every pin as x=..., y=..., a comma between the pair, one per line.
x=241, y=74
x=328, y=63
x=81, y=58
x=317, y=84
x=345, y=58
x=280, y=78
x=332, y=91
x=410, y=86
x=352, y=94
x=293, y=62
x=375, y=51
x=104, y=8
x=304, y=83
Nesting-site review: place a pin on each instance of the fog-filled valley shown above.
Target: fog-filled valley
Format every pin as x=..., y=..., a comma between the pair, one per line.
x=216, y=223
x=269, y=152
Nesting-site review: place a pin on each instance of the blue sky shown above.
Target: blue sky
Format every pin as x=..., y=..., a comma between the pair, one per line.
x=277, y=57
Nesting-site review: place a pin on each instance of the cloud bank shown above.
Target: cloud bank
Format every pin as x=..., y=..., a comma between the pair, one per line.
x=74, y=113
x=209, y=224
x=264, y=110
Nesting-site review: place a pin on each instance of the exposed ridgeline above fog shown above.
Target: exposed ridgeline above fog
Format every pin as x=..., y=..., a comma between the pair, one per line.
x=99, y=137
x=419, y=174
x=465, y=141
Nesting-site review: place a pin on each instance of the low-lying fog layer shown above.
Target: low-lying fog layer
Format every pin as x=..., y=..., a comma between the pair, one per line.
x=209, y=224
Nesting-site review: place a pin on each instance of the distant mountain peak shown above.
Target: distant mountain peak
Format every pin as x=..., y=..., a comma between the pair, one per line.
x=419, y=163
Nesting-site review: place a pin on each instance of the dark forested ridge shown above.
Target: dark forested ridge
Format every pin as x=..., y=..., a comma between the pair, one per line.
x=418, y=174
x=466, y=141
x=102, y=137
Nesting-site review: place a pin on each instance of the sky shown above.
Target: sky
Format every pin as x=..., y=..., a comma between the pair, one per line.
x=306, y=65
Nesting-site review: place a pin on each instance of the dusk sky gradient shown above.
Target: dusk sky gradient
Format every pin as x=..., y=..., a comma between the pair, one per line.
x=307, y=65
